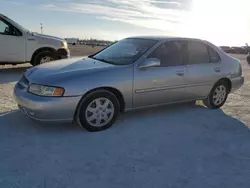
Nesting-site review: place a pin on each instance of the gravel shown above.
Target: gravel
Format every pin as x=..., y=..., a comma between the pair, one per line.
x=174, y=146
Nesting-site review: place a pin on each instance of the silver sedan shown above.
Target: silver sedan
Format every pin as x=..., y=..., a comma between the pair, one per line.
x=133, y=73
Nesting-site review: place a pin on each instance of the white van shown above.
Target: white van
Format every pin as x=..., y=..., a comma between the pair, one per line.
x=19, y=45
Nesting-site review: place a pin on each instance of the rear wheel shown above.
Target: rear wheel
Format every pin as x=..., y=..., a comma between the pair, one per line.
x=44, y=57
x=98, y=111
x=217, y=96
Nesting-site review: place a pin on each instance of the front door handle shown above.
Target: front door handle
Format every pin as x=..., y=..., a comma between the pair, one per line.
x=180, y=73
x=217, y=69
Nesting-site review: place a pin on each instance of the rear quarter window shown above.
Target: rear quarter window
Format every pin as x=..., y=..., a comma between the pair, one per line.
x=214, y=56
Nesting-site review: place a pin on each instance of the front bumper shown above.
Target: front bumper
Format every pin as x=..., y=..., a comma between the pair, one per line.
x=63, y=53
x=47, y=109
x=237, y=82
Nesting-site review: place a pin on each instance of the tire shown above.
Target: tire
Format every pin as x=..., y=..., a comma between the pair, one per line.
x=88, y=108
x=40, y=56
x=221, y=98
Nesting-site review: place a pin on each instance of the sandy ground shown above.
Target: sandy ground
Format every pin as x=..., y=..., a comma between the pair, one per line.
x=82, y=50
x=178, y=146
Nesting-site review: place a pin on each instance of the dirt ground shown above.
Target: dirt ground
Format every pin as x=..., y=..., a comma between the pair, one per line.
x=170, y=147
x=82, y=50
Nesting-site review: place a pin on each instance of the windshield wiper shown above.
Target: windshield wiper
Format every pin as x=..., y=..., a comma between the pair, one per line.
x=103, y=60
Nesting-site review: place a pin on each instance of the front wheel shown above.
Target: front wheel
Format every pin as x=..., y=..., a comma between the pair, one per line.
x=217, y=96
x=98, y=111
x=44, y=57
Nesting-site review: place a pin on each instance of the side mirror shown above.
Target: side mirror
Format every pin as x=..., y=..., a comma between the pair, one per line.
x=151, y=62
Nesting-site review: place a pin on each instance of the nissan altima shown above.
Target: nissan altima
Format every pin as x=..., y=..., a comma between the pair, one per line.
x=133, y=73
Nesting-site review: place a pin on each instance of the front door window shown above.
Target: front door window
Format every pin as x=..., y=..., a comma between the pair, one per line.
x=8, y=29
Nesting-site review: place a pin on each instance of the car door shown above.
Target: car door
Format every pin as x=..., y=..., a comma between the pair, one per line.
x=203, y=69
x=12, y=43
x=164, y=83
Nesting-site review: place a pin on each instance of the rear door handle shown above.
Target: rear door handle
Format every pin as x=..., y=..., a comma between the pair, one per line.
x=217, y=69
x=180, y=73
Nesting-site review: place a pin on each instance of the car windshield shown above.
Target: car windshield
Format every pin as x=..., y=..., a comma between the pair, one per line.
x=125, y=51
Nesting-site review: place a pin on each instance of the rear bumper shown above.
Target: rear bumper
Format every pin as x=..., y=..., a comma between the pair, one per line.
x=46, y=109
x=63, y=53
x=237, y=82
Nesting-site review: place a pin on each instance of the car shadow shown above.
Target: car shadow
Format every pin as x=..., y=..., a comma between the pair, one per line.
x=12, y=74
x=26, y=124
x=171, y=146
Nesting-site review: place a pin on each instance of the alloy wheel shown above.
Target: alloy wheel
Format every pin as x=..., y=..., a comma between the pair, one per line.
x=219, y=95
x=99, y=112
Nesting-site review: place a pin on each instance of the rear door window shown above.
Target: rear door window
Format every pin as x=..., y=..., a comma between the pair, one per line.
x=198, y=53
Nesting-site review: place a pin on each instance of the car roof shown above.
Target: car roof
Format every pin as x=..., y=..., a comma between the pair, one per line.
x=161, y=38
x=2, y=15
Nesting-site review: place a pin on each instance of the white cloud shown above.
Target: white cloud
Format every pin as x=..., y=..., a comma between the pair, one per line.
x=220, y=21
x=14, y=2
x=141, y=13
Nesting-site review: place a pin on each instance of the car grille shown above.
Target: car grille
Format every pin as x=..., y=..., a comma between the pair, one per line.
x=23, y=83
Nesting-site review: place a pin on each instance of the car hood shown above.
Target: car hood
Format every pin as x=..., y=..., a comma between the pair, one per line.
x=44, y=37
x=65, y=68
x=45, y=40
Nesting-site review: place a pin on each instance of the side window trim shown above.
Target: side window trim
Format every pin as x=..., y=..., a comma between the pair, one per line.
x=185, y=55
x=10, y=25
x=210, y=48
x=209, y=55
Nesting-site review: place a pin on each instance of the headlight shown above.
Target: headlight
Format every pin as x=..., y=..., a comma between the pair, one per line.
x=49, y=91
x=64, y=44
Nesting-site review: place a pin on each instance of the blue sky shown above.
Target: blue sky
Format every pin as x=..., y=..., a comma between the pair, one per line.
x=224, y=22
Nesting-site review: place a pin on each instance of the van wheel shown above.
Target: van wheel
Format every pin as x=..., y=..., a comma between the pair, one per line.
x=217, y=96
x=44, y=57
x=98, y=111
